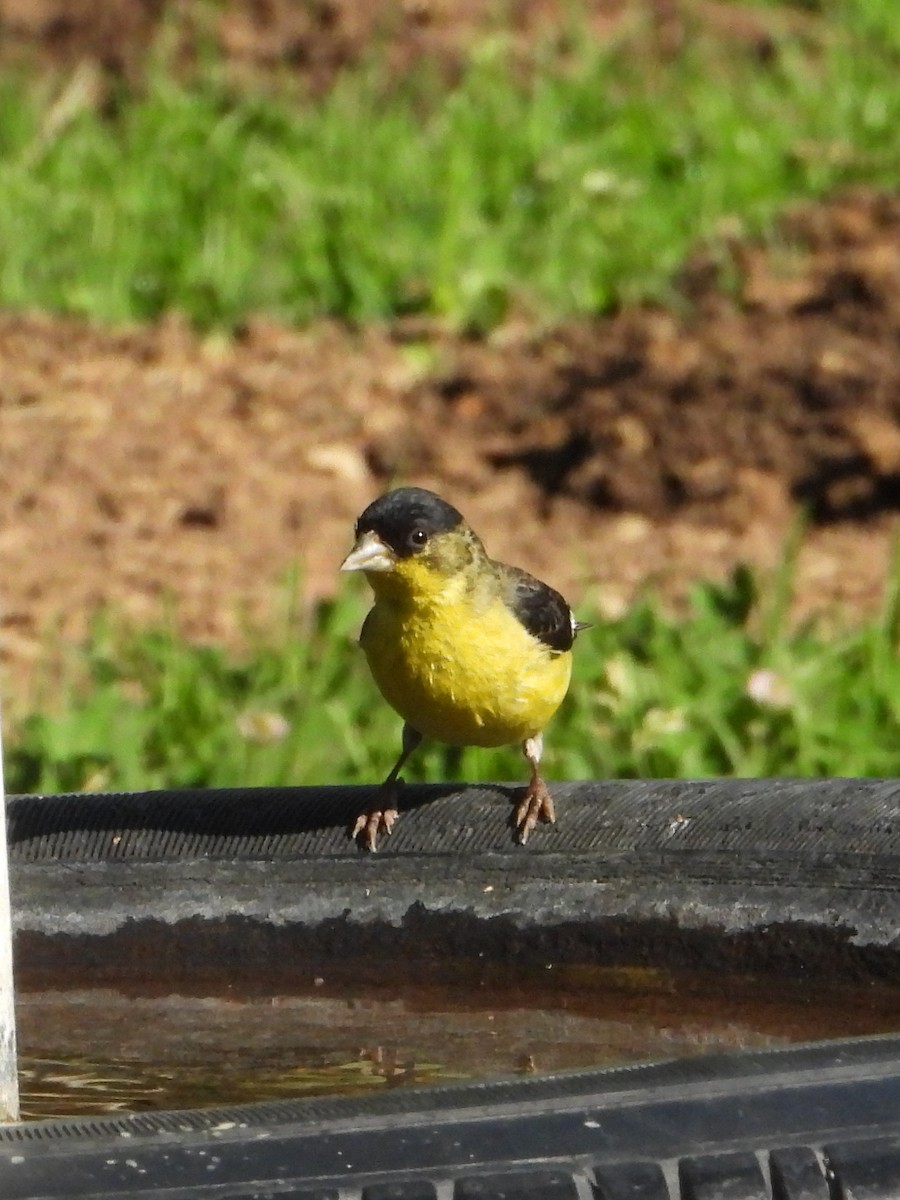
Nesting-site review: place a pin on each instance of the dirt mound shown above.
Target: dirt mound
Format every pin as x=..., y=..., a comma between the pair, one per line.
x=788, y=391
x=311, y=43
x=146, y=463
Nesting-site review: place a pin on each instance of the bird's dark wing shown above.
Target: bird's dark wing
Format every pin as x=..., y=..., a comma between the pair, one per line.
x=539, y=607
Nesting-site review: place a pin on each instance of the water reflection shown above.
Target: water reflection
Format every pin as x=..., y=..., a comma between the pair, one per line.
x=348, y=1029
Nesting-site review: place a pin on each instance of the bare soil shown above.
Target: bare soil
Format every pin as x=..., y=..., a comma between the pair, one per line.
x=650, y=447
x=313, y=41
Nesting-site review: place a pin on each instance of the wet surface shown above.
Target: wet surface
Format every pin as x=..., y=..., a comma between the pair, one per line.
x=90, y=1051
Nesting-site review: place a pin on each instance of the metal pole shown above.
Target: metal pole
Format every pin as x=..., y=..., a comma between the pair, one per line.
x=9, y=1080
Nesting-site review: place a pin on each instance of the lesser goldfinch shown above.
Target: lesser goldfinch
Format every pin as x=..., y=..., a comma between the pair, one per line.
x=469, y=651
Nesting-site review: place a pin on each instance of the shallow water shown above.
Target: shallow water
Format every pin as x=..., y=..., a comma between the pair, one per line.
x=347, y=1030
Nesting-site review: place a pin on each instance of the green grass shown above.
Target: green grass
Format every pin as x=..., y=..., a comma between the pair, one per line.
x=565, y=190
x=583, y=183
x=730, y=688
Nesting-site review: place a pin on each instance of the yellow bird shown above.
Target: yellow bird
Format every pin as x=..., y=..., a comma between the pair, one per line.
x=469, y=651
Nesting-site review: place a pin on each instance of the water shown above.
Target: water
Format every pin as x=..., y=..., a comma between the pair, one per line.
x=87, y=1051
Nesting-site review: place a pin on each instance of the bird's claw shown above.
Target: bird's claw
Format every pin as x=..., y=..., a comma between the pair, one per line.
x=370, y=824
x=536, y=805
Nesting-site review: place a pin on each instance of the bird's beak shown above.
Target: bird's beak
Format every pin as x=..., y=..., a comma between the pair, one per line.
x=370, y=554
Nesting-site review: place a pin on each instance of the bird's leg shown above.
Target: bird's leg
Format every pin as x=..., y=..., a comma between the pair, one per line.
x=537, y=803
x=370, y=824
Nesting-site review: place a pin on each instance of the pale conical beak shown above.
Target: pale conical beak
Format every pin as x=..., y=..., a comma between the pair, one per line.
x=370, y=554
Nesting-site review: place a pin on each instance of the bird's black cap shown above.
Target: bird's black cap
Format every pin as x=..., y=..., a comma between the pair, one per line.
x=396, y=516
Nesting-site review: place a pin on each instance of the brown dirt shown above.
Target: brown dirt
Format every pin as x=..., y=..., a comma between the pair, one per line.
x=147, y=463
x=313, y=41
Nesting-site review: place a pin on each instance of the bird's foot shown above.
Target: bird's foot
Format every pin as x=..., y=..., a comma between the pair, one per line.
x=536, y=805
x=368, y=825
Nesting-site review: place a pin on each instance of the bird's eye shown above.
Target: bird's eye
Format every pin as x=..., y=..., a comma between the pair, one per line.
x=418, y=538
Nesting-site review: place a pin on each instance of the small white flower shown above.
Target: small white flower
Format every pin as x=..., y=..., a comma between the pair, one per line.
x=262, y=727
x=600, y=182
x=613, y=604
x=657, y=724
x=768, y=688
x=620, y=677
x=662, y=721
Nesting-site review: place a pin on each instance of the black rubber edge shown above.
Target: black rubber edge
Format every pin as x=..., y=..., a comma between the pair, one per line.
x=777, y=873
x=810, y=1121
x=812, y=818
x=728, y=874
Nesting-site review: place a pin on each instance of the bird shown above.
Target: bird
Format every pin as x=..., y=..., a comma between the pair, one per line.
x=469, y=651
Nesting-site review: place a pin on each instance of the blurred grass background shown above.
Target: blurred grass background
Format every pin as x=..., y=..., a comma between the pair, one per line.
x=563, y=185
x=729, y=688
x=565, y=188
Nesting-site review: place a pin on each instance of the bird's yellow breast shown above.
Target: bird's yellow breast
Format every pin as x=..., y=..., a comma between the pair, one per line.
x=456, y=664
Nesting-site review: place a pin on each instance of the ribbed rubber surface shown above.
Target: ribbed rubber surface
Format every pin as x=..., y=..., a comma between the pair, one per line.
x=787, y=1125
x=752, y=874
x=836, y=817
